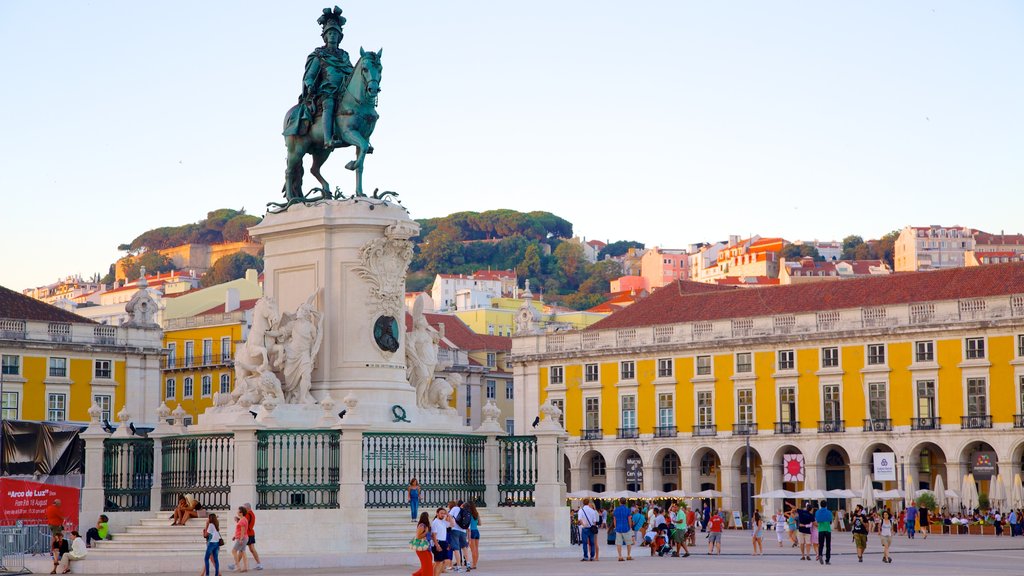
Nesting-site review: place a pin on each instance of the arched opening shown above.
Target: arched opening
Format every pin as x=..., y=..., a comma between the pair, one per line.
x=930, y=462
x=632, y=470
x=668, y=467
x=869, y=462
x=750, y=479
x=792, y=471
x=981, y=460
x=593, y=472
x=567, y=473
x=707, y=468
x=836, y=466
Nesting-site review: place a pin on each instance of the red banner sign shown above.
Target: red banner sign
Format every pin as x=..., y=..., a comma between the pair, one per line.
x=27, y=501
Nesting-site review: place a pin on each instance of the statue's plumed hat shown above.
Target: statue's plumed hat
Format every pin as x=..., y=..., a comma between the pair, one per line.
x=331, y=19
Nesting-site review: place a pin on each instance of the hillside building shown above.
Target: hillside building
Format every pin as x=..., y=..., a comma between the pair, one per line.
x=809, y=270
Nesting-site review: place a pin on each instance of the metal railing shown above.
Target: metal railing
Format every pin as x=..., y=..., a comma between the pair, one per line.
x=198, y=464
x=1018, y=420
x=297, y=469
x=18, y=541
x=975, y=422
x=204, y=361
x=665, y=432
x=628, y=433
x=127, y=474
x=447, y=467
x=878, y=424
x=744, y=429
x=705, y=430
x=517, y=475
x=831, y=426
x=591, y=434
x=926, y=423
x=787, y=427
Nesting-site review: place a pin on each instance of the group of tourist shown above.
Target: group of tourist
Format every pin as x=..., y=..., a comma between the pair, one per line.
x=61, y=551
x=448, y=542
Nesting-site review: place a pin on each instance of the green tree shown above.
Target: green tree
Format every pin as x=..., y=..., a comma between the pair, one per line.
x=529, y=267
x=571, y=262
x=230, y=268
x=237, y=228
x=885, y=248
x=795, y=252
x=618, y=248
x=441, y=250
x=154, y=262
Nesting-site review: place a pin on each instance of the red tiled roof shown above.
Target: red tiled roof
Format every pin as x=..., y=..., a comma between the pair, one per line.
x=618, y=301
x=17, y=306
x=461, y=335
x=493, y=274
x=596, y=244
x=679, y=303
x=984, y=238
x=808, y=268
x=747, y=281
x=242, y=305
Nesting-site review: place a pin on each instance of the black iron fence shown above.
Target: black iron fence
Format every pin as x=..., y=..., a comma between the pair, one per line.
x=127, y=474
x=447, y=466
x=517, y=474
x=297, y=469
x=199, y=464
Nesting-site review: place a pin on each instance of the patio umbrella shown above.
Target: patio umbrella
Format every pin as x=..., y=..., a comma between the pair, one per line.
x=580, y=494
x=650, y=494
x=940, y=492
x=775, y=494
x=627, y=494
x=996, y=491
x=841, y=494
x=894, y=494
x=677, y=494
x=708, y=494
x=970, y=492
x=1017, y=492
x=868, y=494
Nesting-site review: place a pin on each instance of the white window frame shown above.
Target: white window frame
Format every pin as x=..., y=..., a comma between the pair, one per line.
x=15, y=392
x=106, y=415
x=838, y=385
x=627, y=375
x=96, y=369
x=709, y=370
x=49, y=367
x=188, y=387
x=930, y=345
x=796, y=403
x=829, y=360
x=491, y=389
x=586, y=413
x=492, y=360
x=206, y=385
x=665, y=368
x=510, y=390
x=189, y=359
x=750, y=366
x=170, y=384
x=225, y=348
x=869, y=356
x=780, y=362
x=590, y=378
x=885, y=398
x=207, y=351
x=556, y=375
x=738, y=415
x=225, y=378
x=17, y=365
x=624, y=420
x=670, y=411
x=972, y=353
x=697, y=393
x=935, y=397
x=50, y=411
x=988, y=395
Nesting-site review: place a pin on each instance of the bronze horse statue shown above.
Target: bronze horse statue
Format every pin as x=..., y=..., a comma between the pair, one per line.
x=356, y=117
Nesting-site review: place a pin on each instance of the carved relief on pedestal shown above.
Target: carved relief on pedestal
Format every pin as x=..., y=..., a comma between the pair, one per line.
x=383, y=266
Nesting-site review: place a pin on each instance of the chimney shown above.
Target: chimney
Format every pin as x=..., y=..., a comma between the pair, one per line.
x=231, y=300
x=251, y=275
x=734, y=239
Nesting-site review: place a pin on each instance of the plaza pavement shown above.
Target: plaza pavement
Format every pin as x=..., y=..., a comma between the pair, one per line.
x=938, y=555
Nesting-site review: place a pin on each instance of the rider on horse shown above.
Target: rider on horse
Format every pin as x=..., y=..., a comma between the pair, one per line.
x=327, y=70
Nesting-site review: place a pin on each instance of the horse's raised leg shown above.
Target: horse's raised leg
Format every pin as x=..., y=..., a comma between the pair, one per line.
x=293, y=168
x=362, y=145
x=319, y=157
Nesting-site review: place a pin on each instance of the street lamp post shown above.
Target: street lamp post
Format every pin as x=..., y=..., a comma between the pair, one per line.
x=903, y=478
x=750, y=485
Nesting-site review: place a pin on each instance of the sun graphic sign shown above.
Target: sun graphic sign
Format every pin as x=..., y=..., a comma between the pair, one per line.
x=793, y=468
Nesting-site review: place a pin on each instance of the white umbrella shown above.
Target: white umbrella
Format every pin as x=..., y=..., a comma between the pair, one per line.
x=776, y=494
x=970, y=492
x=996, y=491
x=894, y=494
x=580, y=494
x=1017, y=492
x=627, y=494
x=868, y=493
x=841, y=494
x=940, y=492
x=677, y=494
x=650, y=494
x=708, y=494
x=811, y=494
x=923, y=491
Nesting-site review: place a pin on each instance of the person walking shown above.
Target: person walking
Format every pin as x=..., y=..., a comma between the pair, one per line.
x=757, y=533
x=414, y=497
x=705, y=516
x=589, y=520
x=804, y=522
x=715, y=525
x=791, y=529
x=439, y=535
x=638, y=520
x=100, y=532
x=423, y=541
x=623, y=530
x=885, y=530
x=779, y=523
x=823, y=518
x=213, y=543
x=680, y=531
x=474, y=534
x=458, y=542
x=911, y=519
x=55, y=517
x=922, y=514
x=691, y=526
x=859, y=528
x=250, y=517
x=240, y=539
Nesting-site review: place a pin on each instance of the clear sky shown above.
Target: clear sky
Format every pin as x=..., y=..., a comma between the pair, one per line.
x=666, y=122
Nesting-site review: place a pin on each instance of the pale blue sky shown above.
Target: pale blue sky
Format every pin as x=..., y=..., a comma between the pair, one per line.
x=666, y=122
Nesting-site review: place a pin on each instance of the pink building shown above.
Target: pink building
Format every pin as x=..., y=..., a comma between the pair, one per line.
x=660, y=266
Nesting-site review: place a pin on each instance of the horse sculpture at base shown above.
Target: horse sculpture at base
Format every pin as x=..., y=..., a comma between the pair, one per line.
x=354, y=119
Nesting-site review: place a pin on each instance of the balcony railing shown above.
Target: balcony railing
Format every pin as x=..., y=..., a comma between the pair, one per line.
x=207, y=360
x=626, y=433
x=705, y=430
x=831, y=426
x=926, y=423
x=744, y=429
x=787, y=427
x=665, y=431
x=974, y=422
x=878, y=424
x=1018, y=420
x=591, y=434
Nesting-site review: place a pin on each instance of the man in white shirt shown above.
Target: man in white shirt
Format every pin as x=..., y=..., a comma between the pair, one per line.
x=78, y=551
x=458, y=539
x=439, y=534
x=588, y=520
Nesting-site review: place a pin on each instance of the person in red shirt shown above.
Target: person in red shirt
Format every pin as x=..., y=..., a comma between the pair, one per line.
x=54, y=518
x=691, y=526
x=251, y=517
x=715, y=534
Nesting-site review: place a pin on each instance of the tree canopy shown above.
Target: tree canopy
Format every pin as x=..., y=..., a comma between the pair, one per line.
x=231, y=268
x=503, y=223
x=219, y=226
x=619, y=248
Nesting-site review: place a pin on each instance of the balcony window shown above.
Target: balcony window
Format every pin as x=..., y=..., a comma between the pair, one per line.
x=744, y=363
x=830, y=403
x=58, y=368
x=102, y=369
x=975, y=348
x=876, y=354
x=786, y=360
x=627, y=370
x=103, y=401
x=745, y=406
x=703, y=365
x=56, y=407
x=190, y=354
x=557, y=375
x=592, y=418
x=590, y=373
x=10, y=365
x=666, y=410
x=977, y=397
x=225, y=384
x=787, y=404
x=705, y=408
x=664, y=368
x=207, y=352
x=830, y=357
x=629, y=411
x=924, y=351
x=225, y=349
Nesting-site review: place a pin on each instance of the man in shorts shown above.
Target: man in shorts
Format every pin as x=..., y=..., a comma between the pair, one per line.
x=623, y=530
x=715, y=525
x=457, y=541
x=251, y=517
x=804, y=518
x=439, y=534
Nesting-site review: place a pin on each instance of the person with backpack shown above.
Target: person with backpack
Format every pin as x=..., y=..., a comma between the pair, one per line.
x=458, y=540
x=859, y=527
x=589, y=520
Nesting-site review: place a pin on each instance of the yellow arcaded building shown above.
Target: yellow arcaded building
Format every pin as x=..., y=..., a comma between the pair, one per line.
x=819, y=377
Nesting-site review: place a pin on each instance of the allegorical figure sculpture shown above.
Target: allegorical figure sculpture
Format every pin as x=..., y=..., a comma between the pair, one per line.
x=275, y=364
x=421, y=345
x=337, y=108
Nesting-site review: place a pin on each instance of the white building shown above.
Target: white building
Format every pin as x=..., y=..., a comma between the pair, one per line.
x=446, y=286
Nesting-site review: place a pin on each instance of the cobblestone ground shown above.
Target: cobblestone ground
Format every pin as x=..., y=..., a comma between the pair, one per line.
x=938, y=555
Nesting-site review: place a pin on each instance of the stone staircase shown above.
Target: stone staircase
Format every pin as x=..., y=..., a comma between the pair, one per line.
x=390, y=529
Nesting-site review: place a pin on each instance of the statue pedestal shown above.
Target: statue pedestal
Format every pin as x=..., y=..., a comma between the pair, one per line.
x=302, y=416
x=354, y=253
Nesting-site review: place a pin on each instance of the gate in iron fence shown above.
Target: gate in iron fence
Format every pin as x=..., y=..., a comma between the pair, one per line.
x=517, y=477
x=198, y=464
x=447, y=466
x=18, y=541
x=297, y=469
x=127, y=474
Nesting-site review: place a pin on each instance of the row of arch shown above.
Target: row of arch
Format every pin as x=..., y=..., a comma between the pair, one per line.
x=829, y=466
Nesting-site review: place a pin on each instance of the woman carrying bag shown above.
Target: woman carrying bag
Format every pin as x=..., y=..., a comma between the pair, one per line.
x=421, y=546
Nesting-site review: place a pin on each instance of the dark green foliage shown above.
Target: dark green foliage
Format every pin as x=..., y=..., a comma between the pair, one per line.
x=619, y=248
x=855, y=248
x=502, y=223
x=231, y=268
x=793, y=252
x=154, y=262
x=223, y=225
